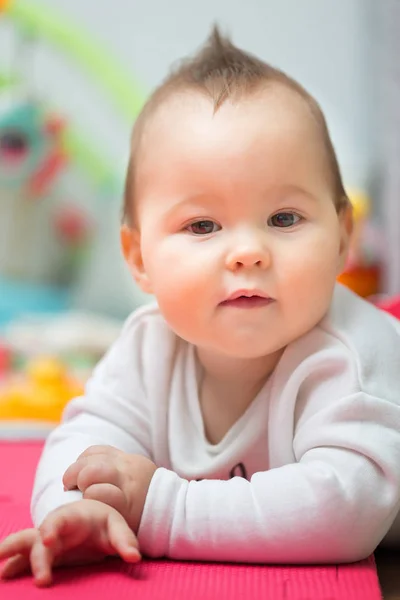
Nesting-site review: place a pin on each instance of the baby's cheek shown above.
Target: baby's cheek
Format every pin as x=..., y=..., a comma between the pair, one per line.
x=178, y=290
x=308, y=277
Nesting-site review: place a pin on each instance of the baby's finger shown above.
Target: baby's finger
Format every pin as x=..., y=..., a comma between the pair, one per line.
x=107, y=494
x=94, y=473
x=89, y=472
x=18, y=543
x=71, y=475
x=122, y=538
x=42, y=559
x=88, y=457
x=96, y=450
x=58, y=526
x=15, y=566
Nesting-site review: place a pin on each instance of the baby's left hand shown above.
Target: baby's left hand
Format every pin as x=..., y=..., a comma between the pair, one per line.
x=108, y=475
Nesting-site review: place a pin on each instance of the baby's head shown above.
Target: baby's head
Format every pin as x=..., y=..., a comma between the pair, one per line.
x=233, y=188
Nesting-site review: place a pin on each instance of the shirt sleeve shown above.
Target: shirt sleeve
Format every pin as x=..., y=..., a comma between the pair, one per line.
x=333, y=502
x=112, y=412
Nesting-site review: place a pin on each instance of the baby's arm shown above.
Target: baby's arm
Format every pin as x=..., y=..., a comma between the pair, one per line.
x=333, y=505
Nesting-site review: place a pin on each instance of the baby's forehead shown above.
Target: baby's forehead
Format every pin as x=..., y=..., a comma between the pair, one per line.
x=265, y=137
x=272, y=102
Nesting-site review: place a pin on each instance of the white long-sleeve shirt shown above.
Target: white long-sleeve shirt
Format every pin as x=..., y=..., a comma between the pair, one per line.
x=309, y=473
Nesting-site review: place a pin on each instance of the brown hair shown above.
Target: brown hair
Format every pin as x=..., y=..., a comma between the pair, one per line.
x=221, y=70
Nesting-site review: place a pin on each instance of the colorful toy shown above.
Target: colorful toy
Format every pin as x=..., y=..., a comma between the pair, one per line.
x=5, y=360
x=391, y=305
x=44, y=231
x=31, y=152
x=50, y=233
x=39, y=237
x=40, y=394
x=363, y=269
x=44, y=363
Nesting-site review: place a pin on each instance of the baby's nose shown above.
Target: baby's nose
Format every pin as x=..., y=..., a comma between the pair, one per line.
x=248, y=254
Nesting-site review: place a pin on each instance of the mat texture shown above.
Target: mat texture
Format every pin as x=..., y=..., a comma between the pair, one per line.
x=165, y=580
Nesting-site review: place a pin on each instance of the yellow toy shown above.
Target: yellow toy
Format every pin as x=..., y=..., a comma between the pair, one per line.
x=362, y=273
x=41, y=394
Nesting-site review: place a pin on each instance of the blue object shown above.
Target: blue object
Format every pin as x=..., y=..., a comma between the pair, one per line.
x=25, y=121
x=18, y=298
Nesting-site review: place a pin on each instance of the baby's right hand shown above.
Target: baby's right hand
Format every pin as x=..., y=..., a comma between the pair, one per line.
x=82, y=532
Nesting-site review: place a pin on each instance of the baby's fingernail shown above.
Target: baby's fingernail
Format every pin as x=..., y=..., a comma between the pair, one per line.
x=134, y=553
x=43, y=580
x=48, y=537
x=42, y=577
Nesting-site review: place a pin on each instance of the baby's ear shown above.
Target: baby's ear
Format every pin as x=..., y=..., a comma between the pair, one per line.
x=346, y=229
x=131, y=249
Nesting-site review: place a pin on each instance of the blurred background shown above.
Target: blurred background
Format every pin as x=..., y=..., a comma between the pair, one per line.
x=73, y=76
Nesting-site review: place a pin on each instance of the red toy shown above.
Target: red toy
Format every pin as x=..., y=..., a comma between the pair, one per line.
x=5, y=360
x=392, y=306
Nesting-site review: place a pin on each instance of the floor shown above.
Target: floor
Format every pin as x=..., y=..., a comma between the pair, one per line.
x=388, y=563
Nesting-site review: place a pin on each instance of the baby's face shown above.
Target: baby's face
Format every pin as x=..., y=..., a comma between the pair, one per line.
x=237, y=203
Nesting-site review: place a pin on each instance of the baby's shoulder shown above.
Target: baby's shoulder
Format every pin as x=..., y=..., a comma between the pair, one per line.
x=360, y=326
x=144, y=350
x=355, y=339
x=145, y=328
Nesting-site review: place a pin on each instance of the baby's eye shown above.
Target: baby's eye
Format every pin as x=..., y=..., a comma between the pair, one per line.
x=203, y=227
x=284, y=220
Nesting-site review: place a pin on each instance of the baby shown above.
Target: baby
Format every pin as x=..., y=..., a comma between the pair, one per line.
x=253, y=414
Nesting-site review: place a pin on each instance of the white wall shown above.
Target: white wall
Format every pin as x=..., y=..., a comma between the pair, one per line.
x=328, y=45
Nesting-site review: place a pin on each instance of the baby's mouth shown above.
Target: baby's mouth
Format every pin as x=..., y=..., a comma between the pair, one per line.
x=247, y=300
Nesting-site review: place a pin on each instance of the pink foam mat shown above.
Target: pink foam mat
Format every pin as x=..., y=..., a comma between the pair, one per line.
x=167, y=580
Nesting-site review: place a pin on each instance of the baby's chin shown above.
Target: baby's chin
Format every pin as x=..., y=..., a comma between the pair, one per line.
x=240, y=349
x=245, y=353
x=226, y=340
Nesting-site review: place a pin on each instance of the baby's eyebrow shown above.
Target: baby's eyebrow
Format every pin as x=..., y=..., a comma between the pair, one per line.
x=204, y=201
x=196, y=200
x=281, y=194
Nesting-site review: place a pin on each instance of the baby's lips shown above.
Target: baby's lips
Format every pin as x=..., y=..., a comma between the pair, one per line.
x=247, y=293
